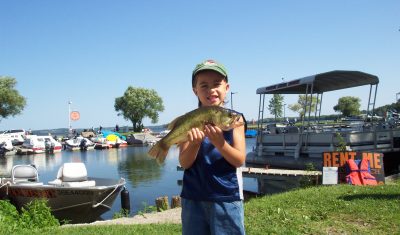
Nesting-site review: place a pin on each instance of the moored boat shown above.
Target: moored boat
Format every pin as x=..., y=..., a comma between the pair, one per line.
x=72, y=196
x=296, y=146
x=101, y=146
x=39, y=144
x=142, y=139
x=51, y=145
x=114, y=139
x=250, y=133
x=111, y=141
x=17, y=136
x=118, y=143
x=6, y=147
x=79, y=143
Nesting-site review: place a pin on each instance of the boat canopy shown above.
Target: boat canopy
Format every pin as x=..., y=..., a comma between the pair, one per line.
x=323, y=82
x=107, y=133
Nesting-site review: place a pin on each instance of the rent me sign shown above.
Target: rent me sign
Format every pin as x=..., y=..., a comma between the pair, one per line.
x=338, y=159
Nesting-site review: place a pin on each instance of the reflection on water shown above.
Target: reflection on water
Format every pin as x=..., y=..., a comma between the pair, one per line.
x=147, y=172
x=145, y=179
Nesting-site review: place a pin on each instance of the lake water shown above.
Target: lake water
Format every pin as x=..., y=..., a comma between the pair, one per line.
x=145, y=179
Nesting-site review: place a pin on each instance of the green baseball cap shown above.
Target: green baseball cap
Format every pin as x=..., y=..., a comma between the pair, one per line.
x=209, y=65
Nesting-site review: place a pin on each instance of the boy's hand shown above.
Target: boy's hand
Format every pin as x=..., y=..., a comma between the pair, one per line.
x=196, y=136
x=215, y=135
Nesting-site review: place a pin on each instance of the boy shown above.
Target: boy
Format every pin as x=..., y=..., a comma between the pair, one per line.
x=212, y=191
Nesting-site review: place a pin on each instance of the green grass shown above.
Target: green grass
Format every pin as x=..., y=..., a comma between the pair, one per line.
x=339, y=209
x=121, y=229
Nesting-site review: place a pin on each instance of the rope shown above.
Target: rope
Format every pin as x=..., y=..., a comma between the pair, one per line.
x=112, y=192
x=6, y=184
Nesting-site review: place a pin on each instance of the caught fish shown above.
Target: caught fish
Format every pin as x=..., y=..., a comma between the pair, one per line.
x=223, y=118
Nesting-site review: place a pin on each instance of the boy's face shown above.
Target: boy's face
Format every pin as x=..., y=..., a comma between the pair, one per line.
x=211, y=88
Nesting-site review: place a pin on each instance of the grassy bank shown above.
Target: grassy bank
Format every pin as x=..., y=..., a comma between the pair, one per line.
x=340, y=209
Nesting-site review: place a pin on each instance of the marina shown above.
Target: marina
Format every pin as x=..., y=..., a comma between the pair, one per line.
x=278, y=155
x=145, y=179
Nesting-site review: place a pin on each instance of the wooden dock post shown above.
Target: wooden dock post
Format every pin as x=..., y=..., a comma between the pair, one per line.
x=175, y=201
x=162, y=203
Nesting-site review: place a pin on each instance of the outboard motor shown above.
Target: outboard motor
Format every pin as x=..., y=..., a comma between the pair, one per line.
x=5, y=146
x=49, y=146
x=83, y=144
x=3, y=150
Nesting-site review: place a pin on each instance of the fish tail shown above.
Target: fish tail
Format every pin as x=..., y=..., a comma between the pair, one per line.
x=159, y=151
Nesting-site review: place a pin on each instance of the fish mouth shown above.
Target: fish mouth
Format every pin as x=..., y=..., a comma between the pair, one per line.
x=235, y=122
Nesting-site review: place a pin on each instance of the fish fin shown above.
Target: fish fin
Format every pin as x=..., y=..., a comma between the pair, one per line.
x=159, y=151
x=174, y=123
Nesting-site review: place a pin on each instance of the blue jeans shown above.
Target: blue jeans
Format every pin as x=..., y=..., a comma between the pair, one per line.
x=202, y=217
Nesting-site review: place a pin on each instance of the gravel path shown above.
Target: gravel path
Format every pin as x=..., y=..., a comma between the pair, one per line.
x=169, y=216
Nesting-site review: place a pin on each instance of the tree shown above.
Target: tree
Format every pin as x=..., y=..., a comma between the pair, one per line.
x=138, y=103
x=348, y=106
x=11, y=102
x=301, y=103
x=275, y=105
x=381, y=111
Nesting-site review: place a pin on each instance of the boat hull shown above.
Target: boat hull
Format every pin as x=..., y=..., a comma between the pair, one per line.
x=101, y=146
x=68, y=204
x=285, y=162
x=298, y=150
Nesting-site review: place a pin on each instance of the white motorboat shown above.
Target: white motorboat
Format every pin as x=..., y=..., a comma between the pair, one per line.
x=79, y=143
x=17, y=136
x=72, y=196
x=39, y=144
x=111, y=141
x=6, y=147
x=142, y=139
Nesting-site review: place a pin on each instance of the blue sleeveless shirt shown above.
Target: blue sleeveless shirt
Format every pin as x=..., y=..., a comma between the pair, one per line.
x=211, y=177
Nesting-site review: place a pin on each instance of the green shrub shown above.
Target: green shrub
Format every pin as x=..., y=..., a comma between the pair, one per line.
x=147, y=209
x=36, y=216
x=341, y=146
x=121, y=214
x=308, y=180
x=9, y=217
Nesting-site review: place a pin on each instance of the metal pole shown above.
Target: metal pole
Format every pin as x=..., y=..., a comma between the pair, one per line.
x=373, y=106
x=369, y=100
x=311, y=104
x=320, y=104
x=69, y=116
x=232, y=93
x=284, y=112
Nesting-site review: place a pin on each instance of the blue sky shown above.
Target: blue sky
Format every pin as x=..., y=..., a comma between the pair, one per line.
x=90, y=51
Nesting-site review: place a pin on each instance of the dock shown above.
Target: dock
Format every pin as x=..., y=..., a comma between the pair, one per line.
x=254, y=171
x=250, y=171
x=272, y=181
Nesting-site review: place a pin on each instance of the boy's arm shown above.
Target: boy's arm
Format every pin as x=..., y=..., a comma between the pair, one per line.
x=235, y=154
x=189, y=149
